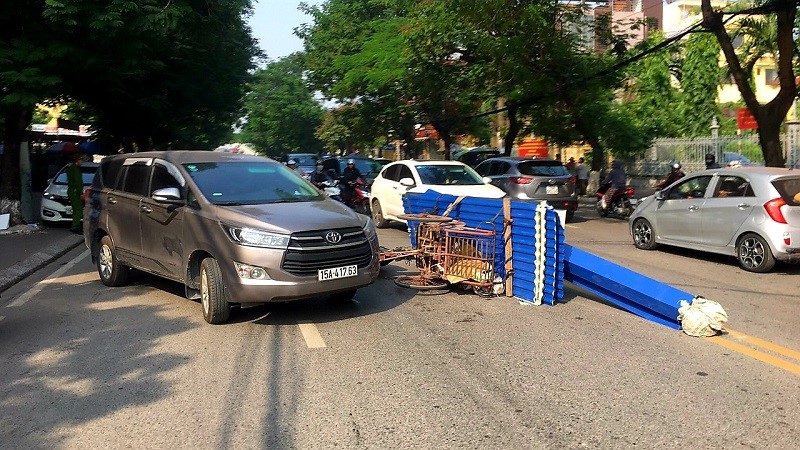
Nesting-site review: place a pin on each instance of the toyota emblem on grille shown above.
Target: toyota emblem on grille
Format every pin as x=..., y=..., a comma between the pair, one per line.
x=333, y=237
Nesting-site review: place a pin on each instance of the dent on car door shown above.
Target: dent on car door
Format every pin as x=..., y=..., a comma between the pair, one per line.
x=726, y=209
x=678, y=215
x=162, y=224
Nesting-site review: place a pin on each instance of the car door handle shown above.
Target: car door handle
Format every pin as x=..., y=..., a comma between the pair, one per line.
x=112, y=200
x=742, y=206
x=146, y=209
x=693, y=208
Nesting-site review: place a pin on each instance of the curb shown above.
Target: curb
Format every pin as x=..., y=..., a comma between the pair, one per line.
x=15, y=274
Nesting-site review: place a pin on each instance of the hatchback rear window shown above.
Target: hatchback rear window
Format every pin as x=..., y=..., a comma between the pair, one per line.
x=542, y=169
x=87, y=173
x=788, y=187
x=250, y=183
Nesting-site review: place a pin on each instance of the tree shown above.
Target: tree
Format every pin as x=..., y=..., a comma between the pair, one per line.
x=280, y=109
x=700, y=78
x=770, y=115
x=149, y=70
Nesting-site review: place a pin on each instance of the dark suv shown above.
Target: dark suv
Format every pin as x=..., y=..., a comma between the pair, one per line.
x=232, y=228
x=533, y=179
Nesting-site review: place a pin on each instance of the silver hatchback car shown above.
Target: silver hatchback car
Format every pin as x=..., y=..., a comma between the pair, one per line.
x=752, y=213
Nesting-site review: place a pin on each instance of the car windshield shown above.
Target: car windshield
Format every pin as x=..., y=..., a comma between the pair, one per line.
x=250, y=183
x=448, y=174
x=365, y=166
x=542, y=169
x=87, y=173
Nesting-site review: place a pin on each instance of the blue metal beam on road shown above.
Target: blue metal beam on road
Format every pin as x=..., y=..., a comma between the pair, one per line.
x=631, y=291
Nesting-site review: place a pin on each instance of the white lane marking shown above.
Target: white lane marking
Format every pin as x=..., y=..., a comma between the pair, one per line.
x=311, y=334
x=22, y=299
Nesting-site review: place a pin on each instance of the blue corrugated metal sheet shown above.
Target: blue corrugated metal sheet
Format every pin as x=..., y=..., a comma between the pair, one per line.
x=485, y=213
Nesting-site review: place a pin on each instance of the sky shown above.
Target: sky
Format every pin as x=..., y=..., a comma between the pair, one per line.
x=273, y=22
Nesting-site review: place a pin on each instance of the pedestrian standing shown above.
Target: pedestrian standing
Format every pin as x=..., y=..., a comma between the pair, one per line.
x=582, y=174
x=75, y=192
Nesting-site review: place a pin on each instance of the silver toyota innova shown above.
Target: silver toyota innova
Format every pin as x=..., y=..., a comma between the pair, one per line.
x=232, y=228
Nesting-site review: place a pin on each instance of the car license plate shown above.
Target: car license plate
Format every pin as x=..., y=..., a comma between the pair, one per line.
x=68, y=210
x=634, y=201
x=551, y=190
x=337, y=272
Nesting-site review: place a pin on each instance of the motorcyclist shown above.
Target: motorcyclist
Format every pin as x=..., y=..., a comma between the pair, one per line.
x=350, y=177
x=320, y=176
x=292, y=164
x=675, y=174
x=711, y=161
x=616, y=179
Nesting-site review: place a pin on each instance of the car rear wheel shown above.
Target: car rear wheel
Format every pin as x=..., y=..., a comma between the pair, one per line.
x=644, y=237
x=377, y=215
x=111, y=272
x=754, y=254
x=216, y=308
x=570, y=215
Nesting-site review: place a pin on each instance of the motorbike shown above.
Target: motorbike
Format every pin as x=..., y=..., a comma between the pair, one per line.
x=621, y=202
x=357, y=197
x=331, y=189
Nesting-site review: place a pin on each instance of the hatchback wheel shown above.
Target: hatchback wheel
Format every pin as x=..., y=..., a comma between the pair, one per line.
x=111, y=272
x=216, y=308
x=377, y=215
x=644, y=235
x=754, y=254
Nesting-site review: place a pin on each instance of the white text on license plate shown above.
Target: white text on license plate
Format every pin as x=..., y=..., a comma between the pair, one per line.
x=337, y=272
x=68, y=210
x=550, y=190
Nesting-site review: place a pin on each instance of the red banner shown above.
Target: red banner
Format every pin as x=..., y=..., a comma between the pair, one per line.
x=745, y=120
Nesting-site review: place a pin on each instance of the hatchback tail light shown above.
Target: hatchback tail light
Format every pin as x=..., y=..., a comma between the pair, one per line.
x=572, y=180
x=773, y=208
x=630, y=192
x=521, y=180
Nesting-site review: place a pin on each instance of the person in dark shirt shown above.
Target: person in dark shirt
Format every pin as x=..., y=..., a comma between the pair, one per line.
x=711, y=161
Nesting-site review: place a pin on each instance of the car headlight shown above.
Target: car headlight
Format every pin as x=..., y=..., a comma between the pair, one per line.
x=256, y=238
x=369, y=228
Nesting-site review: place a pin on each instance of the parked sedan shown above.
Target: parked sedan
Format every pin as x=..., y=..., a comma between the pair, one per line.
x=533, y=179
x=55, y=204
x=752, y=213
x=401, y=177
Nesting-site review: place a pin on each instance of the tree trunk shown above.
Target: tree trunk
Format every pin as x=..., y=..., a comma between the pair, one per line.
x=513, y=131
x=444, y=134
x=769, y=116
x=15, y=121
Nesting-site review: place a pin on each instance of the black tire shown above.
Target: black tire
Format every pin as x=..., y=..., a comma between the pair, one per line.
x=570, y=215
x=377, y=215
x=754, y=254
x=602, y=211
x=421, y=283
x=343, y=297
x=363, y=208
x=216, y=308
x=644, y=236
x=111, y=272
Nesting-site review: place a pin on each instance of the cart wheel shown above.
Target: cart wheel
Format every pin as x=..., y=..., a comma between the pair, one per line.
x=421, y=283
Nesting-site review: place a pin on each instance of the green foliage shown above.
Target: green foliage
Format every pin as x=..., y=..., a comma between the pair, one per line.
x=701, y=75
x=281, y=111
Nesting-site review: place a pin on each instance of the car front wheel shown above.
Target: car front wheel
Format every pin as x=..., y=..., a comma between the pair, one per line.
x=377, y=215
x=216, y=308
x=754, y=254
x=644, y=235
x=111, y=272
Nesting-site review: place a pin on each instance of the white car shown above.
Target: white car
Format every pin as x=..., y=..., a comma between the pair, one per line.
x=55, y=204
x=401, y=177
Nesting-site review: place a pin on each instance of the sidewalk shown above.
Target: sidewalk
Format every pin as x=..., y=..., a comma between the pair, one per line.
x=27, y=248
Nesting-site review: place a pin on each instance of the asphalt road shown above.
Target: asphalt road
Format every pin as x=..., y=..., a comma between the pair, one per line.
x=90, y=366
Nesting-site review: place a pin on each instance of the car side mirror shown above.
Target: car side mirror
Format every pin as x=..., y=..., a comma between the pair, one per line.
x=660, y=195
x=168, y=195
x=487, y=180
x=407, y=182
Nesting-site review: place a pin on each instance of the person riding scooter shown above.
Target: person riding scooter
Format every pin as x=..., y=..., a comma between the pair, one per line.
x=319, y=176
x=350, y=177
x=674, y=175
x=616, y=179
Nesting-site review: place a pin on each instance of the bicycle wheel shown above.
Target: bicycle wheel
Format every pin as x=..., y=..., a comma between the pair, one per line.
x=421, y=283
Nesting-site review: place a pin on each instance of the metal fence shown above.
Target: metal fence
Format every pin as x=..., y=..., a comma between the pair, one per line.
x=690, y=152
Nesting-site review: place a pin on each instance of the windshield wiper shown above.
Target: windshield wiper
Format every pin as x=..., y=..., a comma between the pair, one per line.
x=228, y=203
